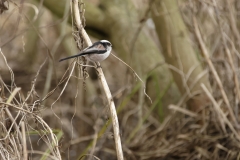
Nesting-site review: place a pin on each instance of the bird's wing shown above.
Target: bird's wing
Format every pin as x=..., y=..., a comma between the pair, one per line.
x=92, y=50
x=96, y=48
x=96, y=45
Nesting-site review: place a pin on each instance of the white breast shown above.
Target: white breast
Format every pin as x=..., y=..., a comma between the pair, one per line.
x=98, y=57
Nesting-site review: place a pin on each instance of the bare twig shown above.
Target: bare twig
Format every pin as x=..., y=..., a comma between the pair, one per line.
x=63, y=89
x=144, y=86
x=11, y=117
x=21, y=109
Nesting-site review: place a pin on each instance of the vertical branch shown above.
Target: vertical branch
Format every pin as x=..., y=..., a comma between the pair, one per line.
x=78, y=23
x=25, y=154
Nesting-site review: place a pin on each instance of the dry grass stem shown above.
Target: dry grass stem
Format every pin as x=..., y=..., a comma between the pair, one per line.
x=25, y=154
x=221, y=115
x=182, y=110
x=213, y=70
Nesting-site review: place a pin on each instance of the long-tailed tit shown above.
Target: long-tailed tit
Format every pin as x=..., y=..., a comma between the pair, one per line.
x=97, y=52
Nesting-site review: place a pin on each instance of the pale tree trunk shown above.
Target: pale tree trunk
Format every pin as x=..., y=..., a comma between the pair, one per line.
x=179, y=52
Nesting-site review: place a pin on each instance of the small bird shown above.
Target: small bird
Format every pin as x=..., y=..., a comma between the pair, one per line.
x=96, y=53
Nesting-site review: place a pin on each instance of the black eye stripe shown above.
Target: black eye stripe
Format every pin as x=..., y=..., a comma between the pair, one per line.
x=104, y=43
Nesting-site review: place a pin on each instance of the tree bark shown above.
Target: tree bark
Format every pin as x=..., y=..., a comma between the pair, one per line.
x=179, y=52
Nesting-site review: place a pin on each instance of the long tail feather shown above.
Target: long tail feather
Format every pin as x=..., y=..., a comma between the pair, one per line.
x=84, y=53
x=63, y=59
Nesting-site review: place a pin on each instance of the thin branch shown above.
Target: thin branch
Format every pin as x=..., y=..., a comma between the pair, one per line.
x=102, y=78
x=144, y=86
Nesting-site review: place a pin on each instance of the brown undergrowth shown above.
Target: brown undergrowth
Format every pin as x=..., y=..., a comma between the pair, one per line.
x=79, y=123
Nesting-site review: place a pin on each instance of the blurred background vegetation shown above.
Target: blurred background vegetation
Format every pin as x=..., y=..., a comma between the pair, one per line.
x=178, y=47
